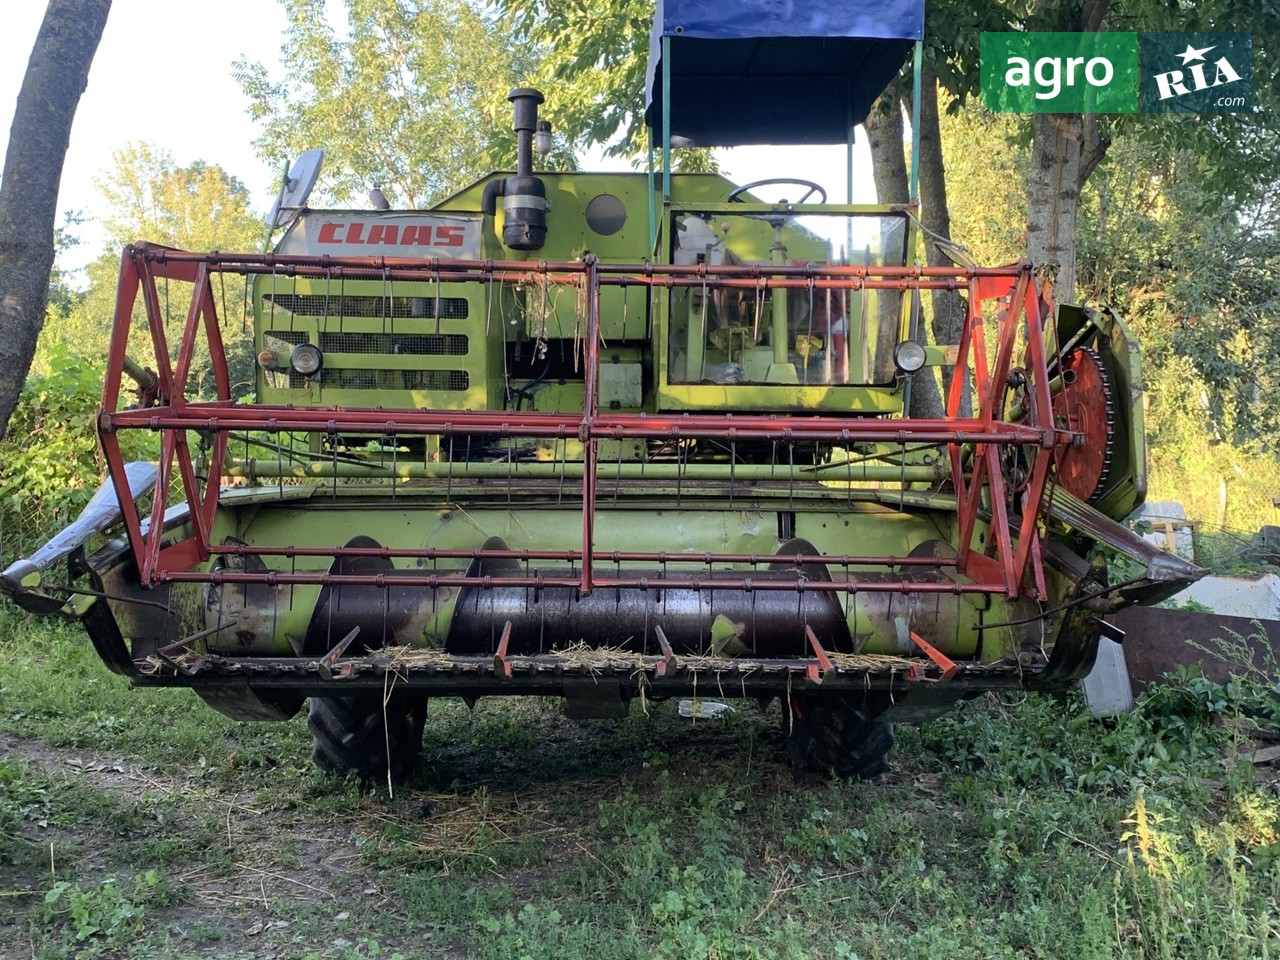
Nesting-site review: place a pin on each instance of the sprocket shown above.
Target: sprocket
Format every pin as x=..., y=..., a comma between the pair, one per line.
x=1083, y=404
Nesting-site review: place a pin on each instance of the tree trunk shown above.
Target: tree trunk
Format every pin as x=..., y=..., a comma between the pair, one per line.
x=888, y=160
x=948, y=305
x=1053, y=198
x=56, y=77
x=889, y=171
x=1065, y=149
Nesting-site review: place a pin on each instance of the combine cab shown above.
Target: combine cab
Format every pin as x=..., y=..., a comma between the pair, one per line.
x=603, y=436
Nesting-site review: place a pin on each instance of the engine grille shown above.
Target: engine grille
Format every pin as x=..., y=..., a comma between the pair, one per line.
x=419, y=345
x=405, y=345
x=335, y=305
x=347, y=378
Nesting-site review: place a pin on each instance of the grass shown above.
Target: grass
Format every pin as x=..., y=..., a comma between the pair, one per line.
x=1016, y=827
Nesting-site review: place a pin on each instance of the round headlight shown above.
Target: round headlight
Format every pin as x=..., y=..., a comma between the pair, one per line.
x=306, y=360
x=909, y=356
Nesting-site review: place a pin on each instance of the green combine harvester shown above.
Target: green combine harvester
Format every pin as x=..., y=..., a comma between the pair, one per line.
x=603, y=436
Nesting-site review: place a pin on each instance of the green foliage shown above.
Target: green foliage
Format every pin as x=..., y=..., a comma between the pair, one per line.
x=52, y=463
x=104, y=912
x=364, y=949
x=410, y=95
x=1227, y=486
x=197, y=207
x=591, y=61
x=986, y=163
x=1171, y=874
x=48, y=668
x=1198, y=283
x=1232, y=156
x=61, y=294
x=50, y=453
x=952, y=40
x=594, y=64
x=1251, y=696
x=533, y=835
x=1158, y=742
x=1235, y=154
x=1196, y=874
x=22, y=800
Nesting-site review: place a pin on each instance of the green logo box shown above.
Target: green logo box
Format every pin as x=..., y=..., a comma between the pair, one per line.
x=1197, y=73
x=1059, y=72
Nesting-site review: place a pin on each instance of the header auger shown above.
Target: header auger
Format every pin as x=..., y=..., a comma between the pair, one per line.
x=596, y=436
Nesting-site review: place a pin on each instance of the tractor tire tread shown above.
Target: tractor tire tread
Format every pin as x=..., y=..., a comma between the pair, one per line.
x=361, y=737
x=836, y=738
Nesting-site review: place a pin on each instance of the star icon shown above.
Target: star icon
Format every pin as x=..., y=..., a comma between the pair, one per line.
x=1191, y=53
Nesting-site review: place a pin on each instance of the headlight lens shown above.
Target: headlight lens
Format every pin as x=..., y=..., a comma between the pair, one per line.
x=909, y=356
x=306, y=360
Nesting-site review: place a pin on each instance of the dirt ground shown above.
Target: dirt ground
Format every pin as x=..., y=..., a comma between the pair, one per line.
x=278, y=861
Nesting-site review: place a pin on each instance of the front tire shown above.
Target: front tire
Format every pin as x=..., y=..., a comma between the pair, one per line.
x=367, y=737
x=830, y=736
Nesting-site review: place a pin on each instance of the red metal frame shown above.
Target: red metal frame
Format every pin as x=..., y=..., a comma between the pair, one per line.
x=1008, y=562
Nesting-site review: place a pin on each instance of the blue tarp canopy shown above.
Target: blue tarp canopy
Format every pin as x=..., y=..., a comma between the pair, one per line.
x=775, y=71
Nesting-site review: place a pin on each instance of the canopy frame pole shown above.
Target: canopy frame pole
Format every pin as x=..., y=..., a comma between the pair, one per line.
x=653, y=213
x=666, y=120
x=848, y=143
x=848, y=169
x=917, y=70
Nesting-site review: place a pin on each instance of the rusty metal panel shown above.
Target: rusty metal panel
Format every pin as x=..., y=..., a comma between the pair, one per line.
x=1157, y=640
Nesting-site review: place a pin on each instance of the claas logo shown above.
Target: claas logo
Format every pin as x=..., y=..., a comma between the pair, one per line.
x=390, y=234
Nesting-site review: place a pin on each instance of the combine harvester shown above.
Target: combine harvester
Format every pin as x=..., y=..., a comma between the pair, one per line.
x=603, y=436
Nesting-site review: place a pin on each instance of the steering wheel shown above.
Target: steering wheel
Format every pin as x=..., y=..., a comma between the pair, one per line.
x=812, y=188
